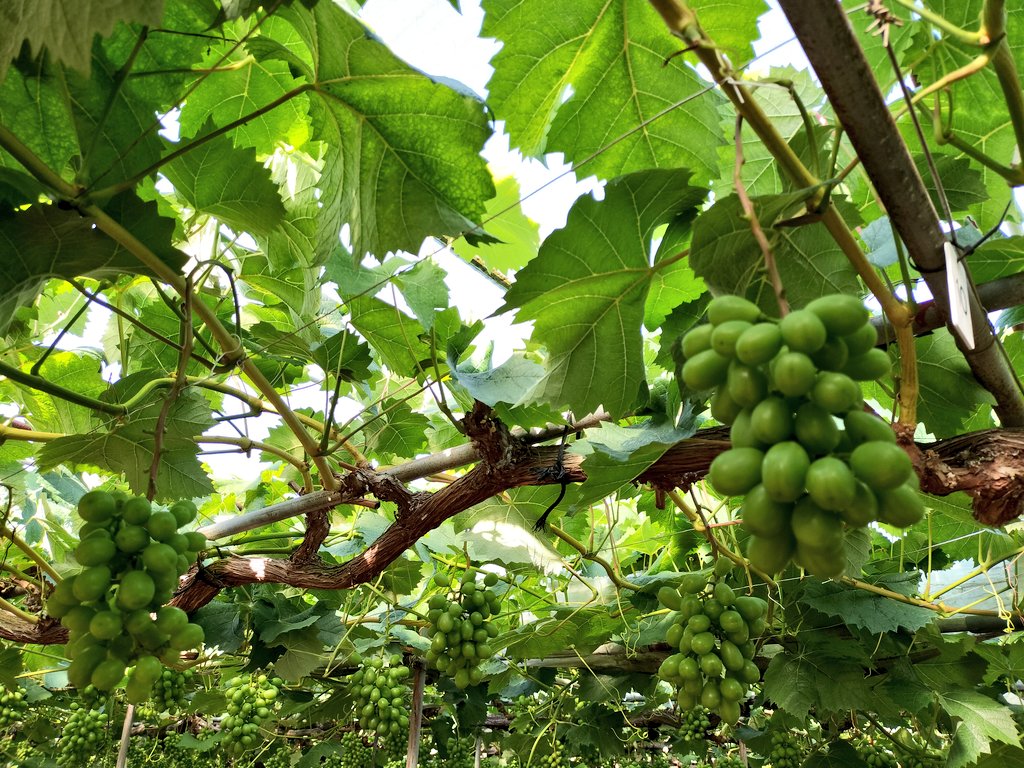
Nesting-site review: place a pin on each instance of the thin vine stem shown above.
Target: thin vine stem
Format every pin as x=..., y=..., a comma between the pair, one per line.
x=8, y=533
x=246, y=445
x=16, y=611
x=586, y=554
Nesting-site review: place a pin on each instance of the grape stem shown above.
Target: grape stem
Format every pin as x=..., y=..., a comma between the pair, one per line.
x=8, y=533
x=12, y=608
x=755, y=225
x=586, y=554
x=702, y=528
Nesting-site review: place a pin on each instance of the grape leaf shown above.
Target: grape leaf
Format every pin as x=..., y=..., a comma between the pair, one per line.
x=582, y=630
x=221, y=180
x=397, y=433
x=303, y=653
x=424, y=290
x=78, y=372
x=516, y=235
x=44, y=241
x=128, y=448
x=981, y=721
x=31, y=99
x=1004, y=660
x=221, y=626
x=403, y=158
x=244, y=86
x=866, y=610
x=616, y=455
x=393, y=335
x=803, y=682
x=586, y=290
x=508, y=383
x=581, y=82
x=726, y=255
x=1002, y=756
x=949, y=392
x=65, y=28
x=996, y=258
x=841, y=754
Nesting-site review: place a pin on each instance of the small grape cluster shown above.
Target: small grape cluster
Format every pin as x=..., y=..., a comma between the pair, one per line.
x=695, y=724
x=380, y=692
x=252, y=700
x=394, y=745
x=82, y=736
x=926, y=759
x=114, y=609
x=714, y=629
x=785, y=751
x=555, y=758
x=91, y=697
x=279, y=758
x=782, y=385
x=459, y=753
x=875, y=755
x=170, y=691
x=355, y=753
x=13, y=707
x=728, y=761
x=460, y=627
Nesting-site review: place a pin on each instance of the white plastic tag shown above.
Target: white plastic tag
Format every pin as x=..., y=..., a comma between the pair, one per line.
x=959, y=302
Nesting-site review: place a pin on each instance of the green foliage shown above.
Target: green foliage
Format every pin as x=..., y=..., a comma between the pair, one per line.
x=587, y=287
x=314, y=185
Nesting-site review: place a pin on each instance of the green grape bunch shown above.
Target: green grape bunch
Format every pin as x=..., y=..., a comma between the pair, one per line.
x=554, y=758
x=785, y=387
x=115, y=609
x=252, y=701
x=461, y=627
x=13, y=707
x=356, y=753
x=875, y=755
x=459, y=753
x=695, y=724
x=381, y=692
x=82, y=737
x=714, y=630
x=786, y=751
x=171, y=689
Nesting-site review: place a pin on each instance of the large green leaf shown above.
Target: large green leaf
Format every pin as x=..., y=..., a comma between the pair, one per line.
x=246, y=86
x=616, y=455
x=393, y=334
x=806, y=681
x=77, y=372
x=517, y=235
x=862, y=609
x=974, y=108
x=982, y=720
x=128, y=448
x=761, y=174
x=45, y=241
x=726, y=255
x=34, y=106
x=949, y=392
x=403, y=159
x=221, y=180
x=587, y=288
x=116, y=126
x=581, y=82
x=66, y=30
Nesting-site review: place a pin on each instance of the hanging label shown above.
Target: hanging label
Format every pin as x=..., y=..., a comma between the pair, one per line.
x=959, y=296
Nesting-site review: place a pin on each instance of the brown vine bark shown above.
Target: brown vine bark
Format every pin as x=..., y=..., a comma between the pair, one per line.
x=988, y=465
